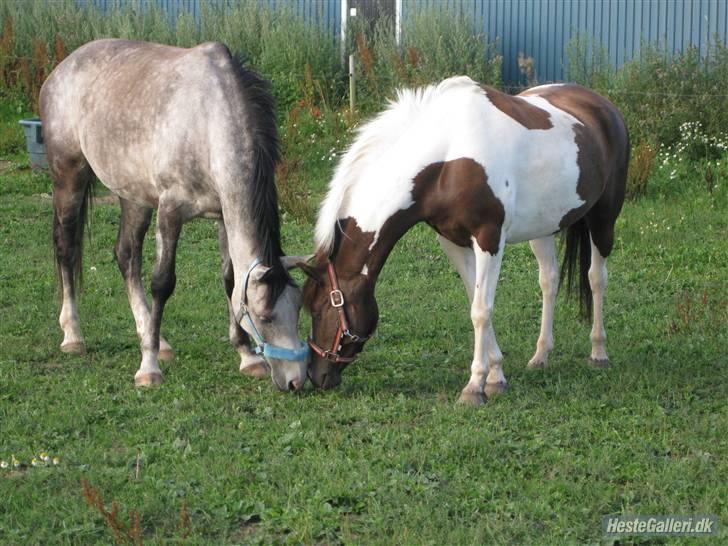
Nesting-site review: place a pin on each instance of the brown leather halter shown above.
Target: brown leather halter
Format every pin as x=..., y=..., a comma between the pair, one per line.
x=336, y=297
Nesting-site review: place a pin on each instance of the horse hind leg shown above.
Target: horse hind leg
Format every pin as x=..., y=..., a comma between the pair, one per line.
x=250, y=364
x=548, y=278
x=71, y=192
x=135, y=220
x=600, y=221
x=601, y=240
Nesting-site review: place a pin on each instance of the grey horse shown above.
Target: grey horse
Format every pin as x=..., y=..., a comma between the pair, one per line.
x=192, y=133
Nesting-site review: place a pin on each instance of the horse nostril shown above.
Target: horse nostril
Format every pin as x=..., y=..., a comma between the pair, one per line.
x=294, y=385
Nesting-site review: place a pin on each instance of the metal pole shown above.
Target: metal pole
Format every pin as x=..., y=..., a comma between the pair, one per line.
x=352, y=84
x=344, y=20
x=398, y=21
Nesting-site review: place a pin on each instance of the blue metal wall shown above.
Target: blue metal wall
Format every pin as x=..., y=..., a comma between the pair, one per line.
x=537, y=28
x=542, y=28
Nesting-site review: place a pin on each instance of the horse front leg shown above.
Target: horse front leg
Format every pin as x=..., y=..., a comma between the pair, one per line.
x=548, y=278
x=169, y=226
x=486, y=375
x=250, y=363
x=135, y=220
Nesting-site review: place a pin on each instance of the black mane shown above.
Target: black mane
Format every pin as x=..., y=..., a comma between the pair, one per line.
x=264, y=198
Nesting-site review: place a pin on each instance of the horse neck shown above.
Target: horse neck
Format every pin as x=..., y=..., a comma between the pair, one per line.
x=365, y=253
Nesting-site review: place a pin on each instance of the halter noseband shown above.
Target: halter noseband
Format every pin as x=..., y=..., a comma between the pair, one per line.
x=262, y=348
x=336, y=297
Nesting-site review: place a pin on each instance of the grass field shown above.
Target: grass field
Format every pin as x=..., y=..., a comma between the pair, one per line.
x=216, y=457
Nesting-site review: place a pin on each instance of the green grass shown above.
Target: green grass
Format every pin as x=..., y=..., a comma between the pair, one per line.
x=389, y=457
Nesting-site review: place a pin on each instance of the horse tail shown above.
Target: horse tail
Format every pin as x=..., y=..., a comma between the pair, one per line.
x=577, y=253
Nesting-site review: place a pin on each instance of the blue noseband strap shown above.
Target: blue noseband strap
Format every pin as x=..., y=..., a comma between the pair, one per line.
x=262, y=348
x=281, y=353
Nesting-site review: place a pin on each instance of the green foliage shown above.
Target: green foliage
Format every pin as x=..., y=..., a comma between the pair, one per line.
x=436, y=45
x=389, y=457
x=213, y=457
x=658, y=93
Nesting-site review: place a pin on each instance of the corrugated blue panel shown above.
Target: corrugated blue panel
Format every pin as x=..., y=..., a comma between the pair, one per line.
x=537, y=28
x=542, y=28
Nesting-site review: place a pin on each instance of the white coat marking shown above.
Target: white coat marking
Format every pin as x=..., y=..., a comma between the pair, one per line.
x=452, y=120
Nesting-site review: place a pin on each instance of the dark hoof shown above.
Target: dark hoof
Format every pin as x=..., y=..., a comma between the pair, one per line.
x=598, y=363
x=494, y=389
x=471, y=398
x=258, y=370
x=536, y=365
x=148, y=379
x=73, y=348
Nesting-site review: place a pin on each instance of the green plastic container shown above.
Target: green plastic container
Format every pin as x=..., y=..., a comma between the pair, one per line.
x=34, y=140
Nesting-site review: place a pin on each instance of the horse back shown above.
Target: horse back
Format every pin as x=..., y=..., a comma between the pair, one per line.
x=144, y=116
x=603, y=138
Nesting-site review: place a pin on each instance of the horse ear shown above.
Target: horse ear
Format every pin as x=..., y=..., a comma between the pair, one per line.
x=260, y=273
x=289, y=262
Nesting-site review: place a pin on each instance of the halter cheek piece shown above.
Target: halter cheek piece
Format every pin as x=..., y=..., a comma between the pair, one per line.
x=336, y=297
x=262, y=348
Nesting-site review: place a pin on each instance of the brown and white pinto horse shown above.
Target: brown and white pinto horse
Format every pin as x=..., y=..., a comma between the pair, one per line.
x=482, y=169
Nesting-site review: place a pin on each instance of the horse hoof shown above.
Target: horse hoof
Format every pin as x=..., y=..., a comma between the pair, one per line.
x=148, y=379
x=471, y=398
x=494, y=389
x=166, y=353
x=73, y=348
x=257, y=370
x=599, y=363
x=536, y=365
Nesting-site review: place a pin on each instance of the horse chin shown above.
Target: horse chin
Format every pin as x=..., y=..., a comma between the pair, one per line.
x=324, y=375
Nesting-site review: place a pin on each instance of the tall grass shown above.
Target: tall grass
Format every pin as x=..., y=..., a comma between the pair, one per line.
x=658, y=92
x=276, y=42
x=435, y=45
x=301, y=59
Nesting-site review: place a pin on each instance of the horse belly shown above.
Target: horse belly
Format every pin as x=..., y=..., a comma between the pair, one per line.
x=541, y=201
x=125, y=174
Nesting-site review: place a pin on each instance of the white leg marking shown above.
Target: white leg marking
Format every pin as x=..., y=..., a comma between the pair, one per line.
x=463, y=259
x=598, y=283
x=142, y=315
x=149, y=372
x=487, y=357
x=68, y=319
x=548, y=278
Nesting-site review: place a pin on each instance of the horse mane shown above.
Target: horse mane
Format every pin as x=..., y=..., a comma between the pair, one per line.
x=264, y=198
x=379, y=133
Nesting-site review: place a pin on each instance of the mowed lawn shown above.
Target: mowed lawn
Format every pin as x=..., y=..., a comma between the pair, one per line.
x=216, y=457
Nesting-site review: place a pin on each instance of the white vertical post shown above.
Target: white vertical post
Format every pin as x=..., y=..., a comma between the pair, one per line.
x=398, y=21
x=352, y=84
x=344, y=19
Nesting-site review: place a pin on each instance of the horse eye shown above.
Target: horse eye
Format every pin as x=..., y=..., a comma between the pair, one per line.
x=266, y=319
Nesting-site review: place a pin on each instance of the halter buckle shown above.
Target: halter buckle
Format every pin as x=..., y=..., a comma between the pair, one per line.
x=331, y=356
x=337, y=298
